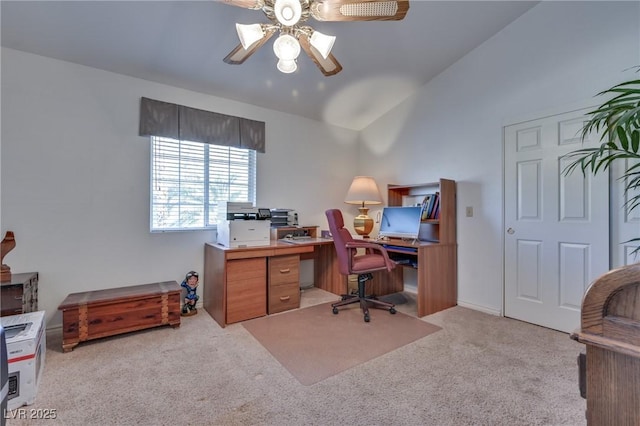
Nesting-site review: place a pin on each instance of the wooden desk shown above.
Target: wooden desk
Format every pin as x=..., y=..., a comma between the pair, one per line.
x=436, y=262
x=436, y=268
x=238, y=281
x=249, y=282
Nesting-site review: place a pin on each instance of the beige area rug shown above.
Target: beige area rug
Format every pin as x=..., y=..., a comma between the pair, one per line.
x=313, y=343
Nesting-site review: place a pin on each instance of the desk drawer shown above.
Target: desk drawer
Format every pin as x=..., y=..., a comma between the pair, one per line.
x=246, y=269
x=284, y=270
x=246, y=289
x=284, y=297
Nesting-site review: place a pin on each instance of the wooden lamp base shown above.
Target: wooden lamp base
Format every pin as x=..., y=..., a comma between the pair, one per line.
x=5, y=274
x=362, y=223
x=6, y=246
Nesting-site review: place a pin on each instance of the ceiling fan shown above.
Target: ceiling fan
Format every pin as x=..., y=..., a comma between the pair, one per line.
x=288, y=18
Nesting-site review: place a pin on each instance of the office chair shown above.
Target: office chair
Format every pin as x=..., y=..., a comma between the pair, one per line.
x=375, y=258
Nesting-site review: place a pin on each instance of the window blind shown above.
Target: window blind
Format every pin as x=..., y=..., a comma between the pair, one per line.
x=190, y=180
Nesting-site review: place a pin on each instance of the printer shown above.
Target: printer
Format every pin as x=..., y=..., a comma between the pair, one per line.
x=26, y=343
x=242, y=225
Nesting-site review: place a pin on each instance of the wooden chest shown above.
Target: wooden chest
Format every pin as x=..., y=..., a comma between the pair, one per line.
x=94, y=314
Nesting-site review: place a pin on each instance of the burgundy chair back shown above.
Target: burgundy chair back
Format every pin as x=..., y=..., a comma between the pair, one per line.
x=341, y=236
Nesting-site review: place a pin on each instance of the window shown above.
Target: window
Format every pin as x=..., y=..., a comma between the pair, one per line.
x=189, y=180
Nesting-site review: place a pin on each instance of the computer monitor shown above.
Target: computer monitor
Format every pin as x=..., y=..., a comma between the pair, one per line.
x=400, y=222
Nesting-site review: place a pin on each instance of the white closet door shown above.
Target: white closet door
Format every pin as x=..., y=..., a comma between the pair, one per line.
x=556, y=227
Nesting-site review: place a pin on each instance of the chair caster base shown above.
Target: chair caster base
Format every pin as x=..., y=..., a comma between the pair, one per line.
x=335, y=311
x=392, y=311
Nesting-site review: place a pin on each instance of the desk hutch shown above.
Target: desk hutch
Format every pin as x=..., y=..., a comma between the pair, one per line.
x=435, y=260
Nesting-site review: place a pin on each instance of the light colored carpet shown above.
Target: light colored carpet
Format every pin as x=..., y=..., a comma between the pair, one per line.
x=478, y=370
x=313, y=343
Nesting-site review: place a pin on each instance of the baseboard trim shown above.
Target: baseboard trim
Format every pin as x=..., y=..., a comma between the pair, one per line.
x=54, y=328
x=411, y=289
x=480, y=308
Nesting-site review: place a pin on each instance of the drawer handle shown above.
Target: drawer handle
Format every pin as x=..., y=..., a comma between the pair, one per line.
x=18, y=297
x=285, y=298
x=285, y=271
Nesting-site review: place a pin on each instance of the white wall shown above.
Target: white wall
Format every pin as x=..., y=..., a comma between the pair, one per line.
x=558, y=53
x=75, y=176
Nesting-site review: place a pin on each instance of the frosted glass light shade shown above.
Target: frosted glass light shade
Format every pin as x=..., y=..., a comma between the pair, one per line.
x=322, y=43
x=287, y=67
x=288, y=12
x=286, y=47
x=249, y=34
x=363, y=190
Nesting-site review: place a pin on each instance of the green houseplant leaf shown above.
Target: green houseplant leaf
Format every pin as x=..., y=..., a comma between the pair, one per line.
x=618, y=123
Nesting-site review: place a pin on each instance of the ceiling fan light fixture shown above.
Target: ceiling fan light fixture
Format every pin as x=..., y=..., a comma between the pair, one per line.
x=286, y=47
x=322, y=43
x=286, y=66
x=249, y=34
x=288, y=12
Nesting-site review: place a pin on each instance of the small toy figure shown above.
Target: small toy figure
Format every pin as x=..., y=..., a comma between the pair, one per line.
x=191, y=284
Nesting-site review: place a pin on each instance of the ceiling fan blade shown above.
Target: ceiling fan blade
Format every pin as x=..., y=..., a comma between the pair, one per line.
x=240, y=54
x=329, y=66
x=359, y=10
x=247, y=4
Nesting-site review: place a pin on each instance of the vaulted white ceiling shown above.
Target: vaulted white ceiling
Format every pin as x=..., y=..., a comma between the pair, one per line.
x=182, y=43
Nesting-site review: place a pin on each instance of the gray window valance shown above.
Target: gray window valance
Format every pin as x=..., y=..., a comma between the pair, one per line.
x=169, y=120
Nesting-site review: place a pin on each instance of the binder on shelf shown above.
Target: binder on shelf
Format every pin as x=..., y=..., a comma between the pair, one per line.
x=436, y=214
x=435, y=211
x=427, y=206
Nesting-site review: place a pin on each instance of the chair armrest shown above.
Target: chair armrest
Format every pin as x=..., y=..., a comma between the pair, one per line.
x=363, y=244
x=352, y=245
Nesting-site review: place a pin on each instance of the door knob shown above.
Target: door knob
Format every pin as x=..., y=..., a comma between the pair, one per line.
x=510, y=231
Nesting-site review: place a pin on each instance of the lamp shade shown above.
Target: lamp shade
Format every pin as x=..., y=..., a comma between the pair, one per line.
x=287, y=67
x=286, y=47
x=322, y=43
x=363, y=190
x=249, y=34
